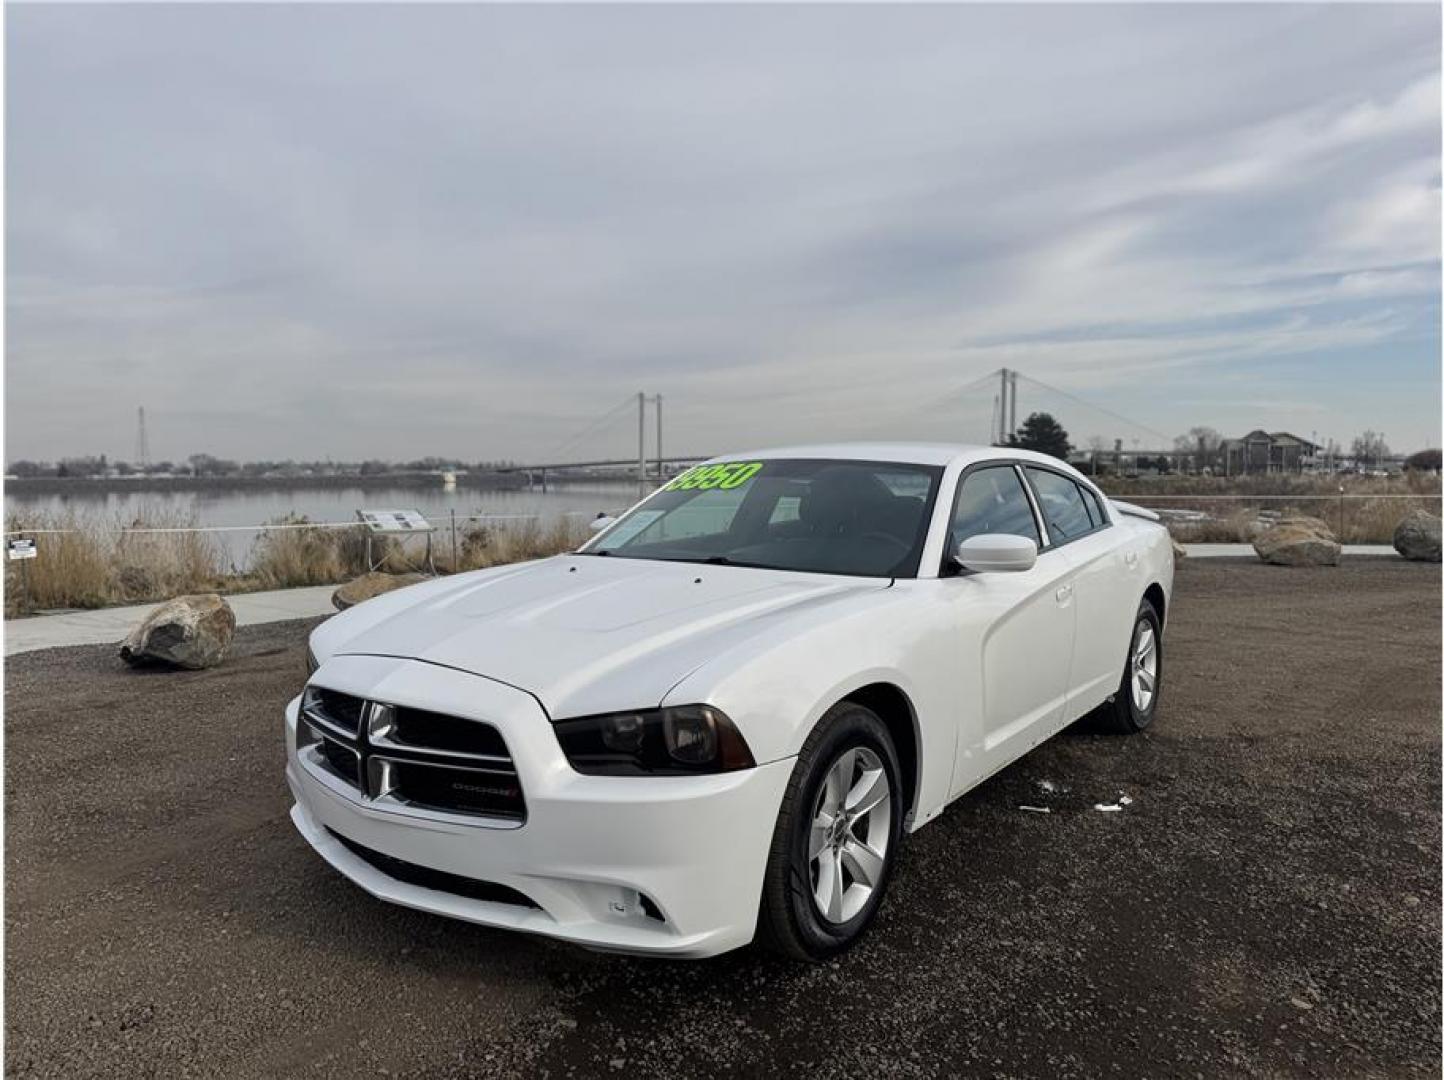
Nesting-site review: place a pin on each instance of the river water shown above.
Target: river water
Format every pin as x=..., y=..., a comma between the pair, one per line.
x=237, y=512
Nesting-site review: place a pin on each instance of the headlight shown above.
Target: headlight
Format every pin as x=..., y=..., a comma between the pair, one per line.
x=683, y=740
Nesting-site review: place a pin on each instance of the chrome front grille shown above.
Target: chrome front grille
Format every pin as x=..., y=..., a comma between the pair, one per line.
x=409, y=760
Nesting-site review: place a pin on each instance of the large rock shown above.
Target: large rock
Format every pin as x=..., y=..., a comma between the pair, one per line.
x=1417, y=537
x=188, y=632
x=1289, y=544
x=368, y=585
x=1251, y=530
x=1303, y=521
x=1179, y=551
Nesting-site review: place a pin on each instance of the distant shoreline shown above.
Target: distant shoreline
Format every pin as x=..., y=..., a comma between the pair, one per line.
x=97, y=485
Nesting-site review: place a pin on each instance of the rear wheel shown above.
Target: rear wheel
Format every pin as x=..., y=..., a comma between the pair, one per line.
x=836, y=837
x=1135, y=702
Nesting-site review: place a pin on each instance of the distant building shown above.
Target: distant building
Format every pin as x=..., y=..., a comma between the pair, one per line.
x=1261, y=452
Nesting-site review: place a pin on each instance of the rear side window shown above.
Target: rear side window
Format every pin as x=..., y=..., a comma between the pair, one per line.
x=993, y=501
x=1095, y=507
x=1062, y=504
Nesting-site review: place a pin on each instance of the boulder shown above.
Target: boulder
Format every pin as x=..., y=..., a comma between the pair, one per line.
x=1303, y=521
x=1417, y=536
x=191, y=632
x=1251, y=529
x=1178, y=551
x=368, y=585
x=1297, y=545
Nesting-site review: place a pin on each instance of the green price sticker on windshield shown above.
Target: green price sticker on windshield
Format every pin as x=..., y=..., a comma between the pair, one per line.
x=730, y=474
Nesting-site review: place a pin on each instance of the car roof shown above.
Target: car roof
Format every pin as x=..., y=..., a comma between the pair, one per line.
x=909, y=453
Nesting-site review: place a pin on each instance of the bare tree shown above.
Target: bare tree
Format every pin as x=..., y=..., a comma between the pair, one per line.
x=1370, y=448
x=1202, y=444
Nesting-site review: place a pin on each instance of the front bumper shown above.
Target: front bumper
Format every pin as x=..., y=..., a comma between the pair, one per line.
x=591, y=846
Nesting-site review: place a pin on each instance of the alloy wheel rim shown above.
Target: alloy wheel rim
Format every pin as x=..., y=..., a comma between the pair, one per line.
x=1143, y=665
x=847, y=845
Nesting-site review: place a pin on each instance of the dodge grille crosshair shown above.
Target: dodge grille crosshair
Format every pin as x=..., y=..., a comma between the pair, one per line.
x=409, y=760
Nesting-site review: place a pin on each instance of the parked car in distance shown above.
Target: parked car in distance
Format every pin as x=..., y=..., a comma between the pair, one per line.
x=719, y=718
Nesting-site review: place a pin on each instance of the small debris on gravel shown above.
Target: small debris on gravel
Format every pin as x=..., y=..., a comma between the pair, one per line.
x=1113, y=807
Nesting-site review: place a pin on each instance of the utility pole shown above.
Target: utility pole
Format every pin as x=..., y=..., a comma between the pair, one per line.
x=142, y=442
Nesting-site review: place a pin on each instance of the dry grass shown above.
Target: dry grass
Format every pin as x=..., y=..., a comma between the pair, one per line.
x=496, y=544
x=1411, y=483
x=94, y=563
x=1362, y=517
x=288, y=558
x=291, y=557
x=1353, y=521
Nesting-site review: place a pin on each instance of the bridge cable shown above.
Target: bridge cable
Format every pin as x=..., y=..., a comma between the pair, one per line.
x=629, y=402
x=1167, y=439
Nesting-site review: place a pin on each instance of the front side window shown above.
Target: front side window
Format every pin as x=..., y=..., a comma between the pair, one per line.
x=993, y=501
x=866, y=518
x=1062, y=504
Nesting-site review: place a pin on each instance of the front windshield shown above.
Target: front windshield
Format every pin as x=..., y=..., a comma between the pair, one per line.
x=865, y=518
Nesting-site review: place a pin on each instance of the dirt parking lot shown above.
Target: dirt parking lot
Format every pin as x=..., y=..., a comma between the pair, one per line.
x=1268, y=904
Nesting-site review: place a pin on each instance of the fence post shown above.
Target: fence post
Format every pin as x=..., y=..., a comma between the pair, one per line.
x=1341, y=513
x=25, y=585
x=455, y=565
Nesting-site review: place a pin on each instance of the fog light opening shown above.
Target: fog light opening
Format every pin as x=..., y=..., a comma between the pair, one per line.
x=649, y=909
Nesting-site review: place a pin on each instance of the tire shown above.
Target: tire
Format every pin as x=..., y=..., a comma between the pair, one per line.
x=850, y=872
x=1134, y=703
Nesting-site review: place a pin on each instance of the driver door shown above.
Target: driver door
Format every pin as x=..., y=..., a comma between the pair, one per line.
x=1016, y=631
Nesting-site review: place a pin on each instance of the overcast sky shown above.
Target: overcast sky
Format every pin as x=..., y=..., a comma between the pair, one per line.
x=397, y=231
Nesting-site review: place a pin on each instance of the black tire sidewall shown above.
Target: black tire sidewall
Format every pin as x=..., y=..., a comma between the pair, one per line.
x=847, y=726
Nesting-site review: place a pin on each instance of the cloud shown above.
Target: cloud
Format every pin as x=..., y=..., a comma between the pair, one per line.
x=387, y=231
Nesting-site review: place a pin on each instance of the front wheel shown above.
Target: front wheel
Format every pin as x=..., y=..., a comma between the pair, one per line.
x=1135, y=702
x=836, y=837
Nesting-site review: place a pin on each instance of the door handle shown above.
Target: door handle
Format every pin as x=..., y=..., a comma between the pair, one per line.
x=1063, y=593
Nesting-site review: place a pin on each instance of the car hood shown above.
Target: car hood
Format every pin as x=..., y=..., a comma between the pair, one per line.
x=590, y=634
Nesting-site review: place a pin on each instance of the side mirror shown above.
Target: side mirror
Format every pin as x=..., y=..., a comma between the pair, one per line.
x=996, y=553
x=600, y=522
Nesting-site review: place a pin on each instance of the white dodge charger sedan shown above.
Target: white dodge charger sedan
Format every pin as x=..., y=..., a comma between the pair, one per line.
x=718, y=718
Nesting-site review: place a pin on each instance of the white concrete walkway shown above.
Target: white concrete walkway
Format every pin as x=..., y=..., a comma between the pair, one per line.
x=1222, y=551
x=112, y=624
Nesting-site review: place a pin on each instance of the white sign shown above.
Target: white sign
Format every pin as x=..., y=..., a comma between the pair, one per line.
x=395, y=521
x=21, y=548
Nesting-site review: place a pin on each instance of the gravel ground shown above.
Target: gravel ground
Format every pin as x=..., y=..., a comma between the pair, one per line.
x=1268, y=904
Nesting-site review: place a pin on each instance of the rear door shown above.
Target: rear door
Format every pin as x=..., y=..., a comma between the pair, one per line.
x=1018, y=626
x=1104, y=590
